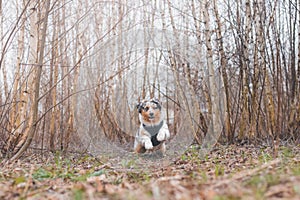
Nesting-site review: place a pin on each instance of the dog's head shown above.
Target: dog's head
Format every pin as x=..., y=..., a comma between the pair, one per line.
x=150, y=112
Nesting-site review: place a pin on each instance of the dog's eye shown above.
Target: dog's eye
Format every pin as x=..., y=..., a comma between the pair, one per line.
x=146, y=109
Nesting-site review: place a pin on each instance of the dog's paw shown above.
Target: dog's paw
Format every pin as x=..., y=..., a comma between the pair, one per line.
x=148, y=145
x=162, y=135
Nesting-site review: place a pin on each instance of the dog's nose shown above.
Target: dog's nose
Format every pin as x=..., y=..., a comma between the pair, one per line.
x=151, y=114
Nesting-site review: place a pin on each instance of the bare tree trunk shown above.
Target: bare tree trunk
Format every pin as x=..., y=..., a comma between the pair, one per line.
x=38, y=72
x=228, y=131
x=17, y=137
x=215, y=94
x=17, y=117
x=53, y=81
x=146, y=52
x=64, y=61
x=73, y=83
x=292, y=40
x=298, y=71
x=254, y=79
x=2, y=63
x=17, y=94
x=1, y=41
x=245, y=58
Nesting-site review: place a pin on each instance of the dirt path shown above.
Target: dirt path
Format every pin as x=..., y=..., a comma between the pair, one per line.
x=228, y=172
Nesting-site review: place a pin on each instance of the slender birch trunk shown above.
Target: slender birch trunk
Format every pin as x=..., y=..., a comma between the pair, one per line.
x=223, y=59
x=38, y=72
x=18, y=137
x=216, y=122
x=17, y=117
x=53, y=81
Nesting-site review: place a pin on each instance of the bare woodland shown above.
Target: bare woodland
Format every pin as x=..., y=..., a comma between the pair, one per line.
x=65, y=64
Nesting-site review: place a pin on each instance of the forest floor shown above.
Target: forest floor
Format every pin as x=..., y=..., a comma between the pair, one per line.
x=227, y=172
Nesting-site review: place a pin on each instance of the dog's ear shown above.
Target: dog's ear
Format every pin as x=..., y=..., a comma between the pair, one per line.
x=157, y=102
x=139, y=107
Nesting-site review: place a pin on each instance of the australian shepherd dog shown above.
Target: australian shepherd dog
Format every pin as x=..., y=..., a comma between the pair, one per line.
x=153, y=130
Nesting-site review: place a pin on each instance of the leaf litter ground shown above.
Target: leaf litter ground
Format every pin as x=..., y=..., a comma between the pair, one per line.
x=227, y=172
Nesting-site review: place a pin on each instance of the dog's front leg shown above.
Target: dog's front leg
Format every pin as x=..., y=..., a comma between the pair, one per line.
x=163, y=133
x=146, y=141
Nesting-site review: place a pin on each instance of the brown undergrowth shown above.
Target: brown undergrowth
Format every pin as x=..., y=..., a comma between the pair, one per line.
x=227, y=172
